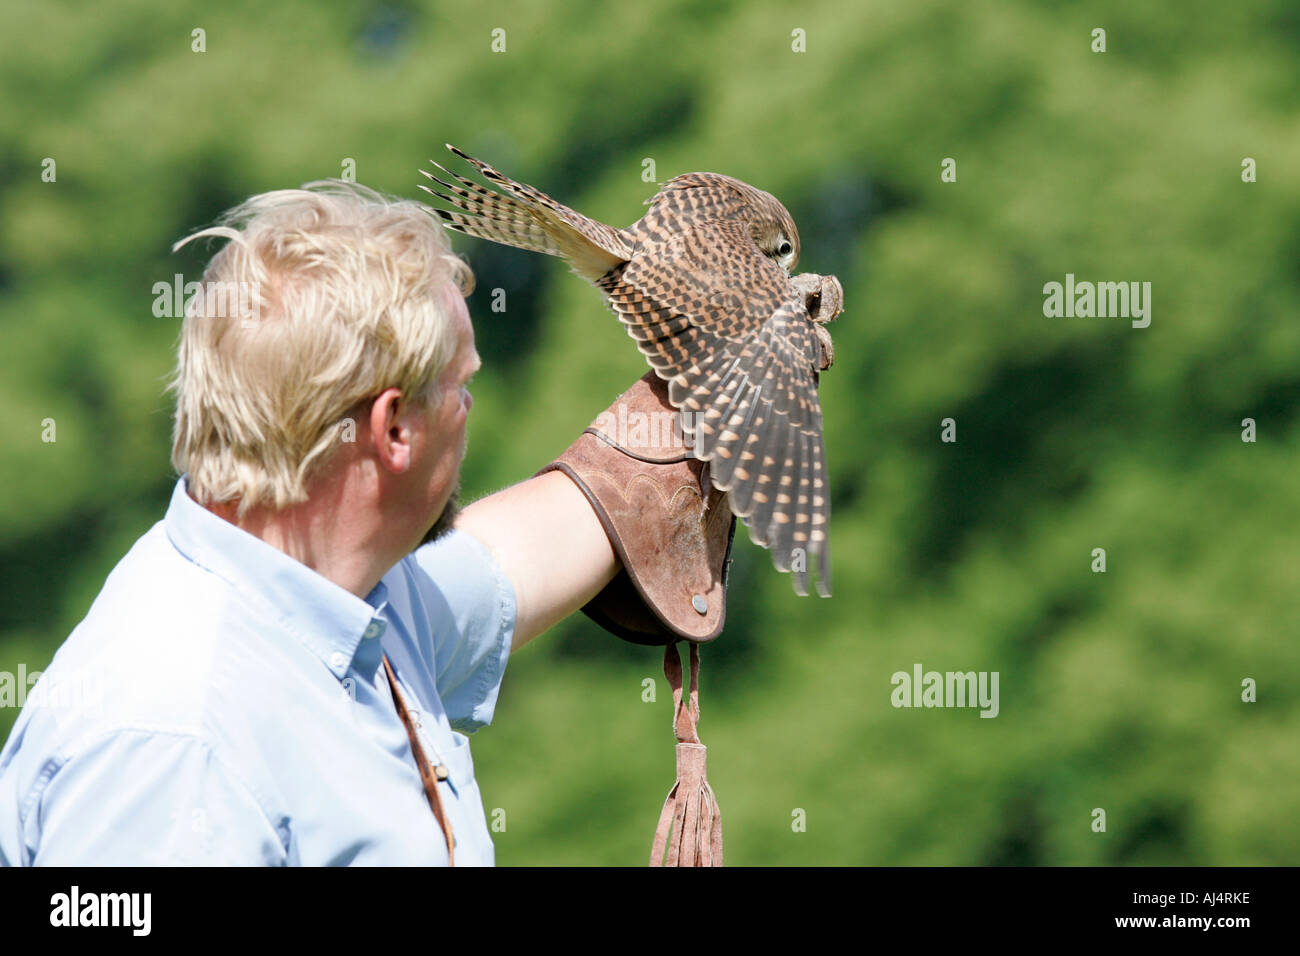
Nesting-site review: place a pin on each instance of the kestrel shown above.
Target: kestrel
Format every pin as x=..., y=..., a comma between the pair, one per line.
x=702, y=283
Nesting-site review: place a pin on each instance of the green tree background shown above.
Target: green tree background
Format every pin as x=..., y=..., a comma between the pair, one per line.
x=1119, y=690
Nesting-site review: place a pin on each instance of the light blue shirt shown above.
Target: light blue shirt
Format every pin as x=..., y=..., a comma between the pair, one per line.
x=222, y=703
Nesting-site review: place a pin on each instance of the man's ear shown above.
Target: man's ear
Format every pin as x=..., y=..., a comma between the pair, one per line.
x=390, y=431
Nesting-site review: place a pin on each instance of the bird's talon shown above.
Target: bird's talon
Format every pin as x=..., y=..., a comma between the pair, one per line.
x=828, y=348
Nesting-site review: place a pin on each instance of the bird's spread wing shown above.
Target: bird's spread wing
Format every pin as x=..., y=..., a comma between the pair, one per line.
x=723, y=325
x=527, y=218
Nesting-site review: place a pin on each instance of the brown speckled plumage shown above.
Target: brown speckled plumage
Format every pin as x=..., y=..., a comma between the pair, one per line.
x=702, y=284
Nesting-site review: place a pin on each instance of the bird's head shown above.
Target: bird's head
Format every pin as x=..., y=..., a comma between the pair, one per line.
x=773, y=229
x=770, y=224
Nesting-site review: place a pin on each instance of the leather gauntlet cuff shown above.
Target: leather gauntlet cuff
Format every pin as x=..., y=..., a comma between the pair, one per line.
x=671, y=530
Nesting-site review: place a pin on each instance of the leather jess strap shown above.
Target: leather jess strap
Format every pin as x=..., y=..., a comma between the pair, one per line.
x=427, y=775
x=690, y=826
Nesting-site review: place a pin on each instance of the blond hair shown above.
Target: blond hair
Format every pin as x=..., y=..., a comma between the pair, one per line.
x=341, y=295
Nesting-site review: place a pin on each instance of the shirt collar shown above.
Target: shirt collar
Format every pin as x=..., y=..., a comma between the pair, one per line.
x=328, y=619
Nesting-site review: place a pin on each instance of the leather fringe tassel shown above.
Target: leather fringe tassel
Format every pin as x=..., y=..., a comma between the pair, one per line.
x=690, y=827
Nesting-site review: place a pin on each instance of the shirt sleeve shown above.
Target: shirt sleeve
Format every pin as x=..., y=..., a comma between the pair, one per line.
x=471, y=604
x=138, y=798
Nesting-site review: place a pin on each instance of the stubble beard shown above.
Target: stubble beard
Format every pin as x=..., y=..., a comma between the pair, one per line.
x=450, y=511
x=445, y=520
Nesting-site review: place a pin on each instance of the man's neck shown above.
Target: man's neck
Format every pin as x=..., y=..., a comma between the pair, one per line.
x=328, y=540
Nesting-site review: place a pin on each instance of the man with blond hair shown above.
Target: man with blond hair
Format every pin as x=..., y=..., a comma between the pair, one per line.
x=284, y=669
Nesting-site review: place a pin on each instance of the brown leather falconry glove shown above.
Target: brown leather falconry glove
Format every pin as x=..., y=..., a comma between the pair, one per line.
x=671, y=530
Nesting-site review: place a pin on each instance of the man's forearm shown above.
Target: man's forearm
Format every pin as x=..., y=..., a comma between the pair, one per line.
x=550, y=544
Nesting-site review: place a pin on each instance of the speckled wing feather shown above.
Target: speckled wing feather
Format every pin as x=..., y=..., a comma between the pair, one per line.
x=724, y=326
x=529, y=219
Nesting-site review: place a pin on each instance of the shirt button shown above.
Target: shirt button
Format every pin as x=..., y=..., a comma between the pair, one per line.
x=338, y=660
x=375, y=628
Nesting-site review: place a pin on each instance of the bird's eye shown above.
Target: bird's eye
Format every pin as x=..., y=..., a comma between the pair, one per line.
x=784, y=249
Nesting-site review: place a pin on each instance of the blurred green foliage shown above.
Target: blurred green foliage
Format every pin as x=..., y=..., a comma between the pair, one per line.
x=1118, y=690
